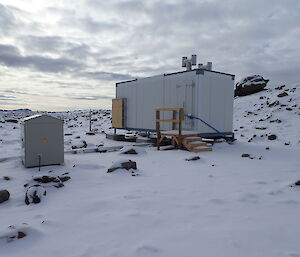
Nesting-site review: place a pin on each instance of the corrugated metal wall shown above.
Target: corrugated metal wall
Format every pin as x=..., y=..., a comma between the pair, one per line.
x=208, y=96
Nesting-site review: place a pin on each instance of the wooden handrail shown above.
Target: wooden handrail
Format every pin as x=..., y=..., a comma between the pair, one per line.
x=178, y=137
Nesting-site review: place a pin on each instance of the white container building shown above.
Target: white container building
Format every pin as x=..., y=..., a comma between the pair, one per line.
x=42, y=141
x=203, y=93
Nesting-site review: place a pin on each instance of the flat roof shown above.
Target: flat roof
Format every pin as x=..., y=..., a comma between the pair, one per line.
x=172, y=73
x=37, y=116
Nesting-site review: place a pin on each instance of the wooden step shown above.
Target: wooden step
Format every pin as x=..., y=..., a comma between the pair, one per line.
x=197, y=150
x=187, y=140
x=196, y=145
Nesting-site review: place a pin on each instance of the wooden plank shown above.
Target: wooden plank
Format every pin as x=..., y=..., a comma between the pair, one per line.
x=174, y=118
x=196, y=145
x=207, y=149
x=118, y=113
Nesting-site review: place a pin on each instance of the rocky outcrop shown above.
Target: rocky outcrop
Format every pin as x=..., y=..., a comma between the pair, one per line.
x=250, y=85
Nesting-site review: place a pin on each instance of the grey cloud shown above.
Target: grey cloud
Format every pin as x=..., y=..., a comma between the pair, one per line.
x=101, y=75
x=11, y=57
x=91, y=98
x=7, y=19
x=7, y=97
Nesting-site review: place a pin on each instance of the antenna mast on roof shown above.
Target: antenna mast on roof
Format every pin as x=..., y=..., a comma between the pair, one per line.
x=188, y=63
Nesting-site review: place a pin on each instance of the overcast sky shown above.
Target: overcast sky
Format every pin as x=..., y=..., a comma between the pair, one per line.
x=62, y=55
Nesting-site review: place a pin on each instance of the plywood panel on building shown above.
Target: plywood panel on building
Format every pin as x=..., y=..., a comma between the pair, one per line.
x=117, y=113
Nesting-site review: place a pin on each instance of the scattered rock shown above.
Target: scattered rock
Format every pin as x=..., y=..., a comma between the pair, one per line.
x=283, y=94
x=195, y=158
x=272, y=137
x=275, y=103
x=4, y=195
x=12, y=120
x=46, y=179
x=21, y=234
x=34, y=194
x=250, y=85
x=261, y=128
x=280, y=87
x=277, y=121
x=123, y=165
x=130, y=151
x=245, y=155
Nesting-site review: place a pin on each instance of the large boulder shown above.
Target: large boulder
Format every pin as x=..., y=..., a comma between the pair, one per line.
x=4, y=195
x=250, y=85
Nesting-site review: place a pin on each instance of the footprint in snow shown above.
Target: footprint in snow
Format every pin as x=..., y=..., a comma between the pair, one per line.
x=217, y=201
x=248, y=197
x=147, y=250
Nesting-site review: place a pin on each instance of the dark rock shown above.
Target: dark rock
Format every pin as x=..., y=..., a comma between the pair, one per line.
x=34, y=194
x=261, y=128
x=64, y=178
x=286, y=143
x=129, y=165
x=4, y=195
x=280, y=87
x=46, y=179
x=272, y=137
x=277, y=121
x=6, y=178
x=275, y=103
x=289, y=109
x=250, y=85
x=68, y=134
x=267, y=148
x=21, y=234
x=245, y=155
x=124, y=165
x=90, y=133
x=297, y=183
x=130, y=151
x=12, y=120
x=283, y=94
x=195, y=158
x=59, y=185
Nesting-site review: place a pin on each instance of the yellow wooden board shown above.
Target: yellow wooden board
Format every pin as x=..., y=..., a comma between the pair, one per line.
x=117, y=113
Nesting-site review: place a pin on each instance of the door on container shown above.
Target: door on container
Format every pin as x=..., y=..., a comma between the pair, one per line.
x=185, y=98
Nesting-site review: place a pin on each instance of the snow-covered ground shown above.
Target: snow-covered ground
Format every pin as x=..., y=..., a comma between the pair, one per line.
x=220, y=205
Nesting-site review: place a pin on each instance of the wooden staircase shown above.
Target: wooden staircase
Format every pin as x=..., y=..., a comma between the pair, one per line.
x=195, y=144
x=187, y=141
